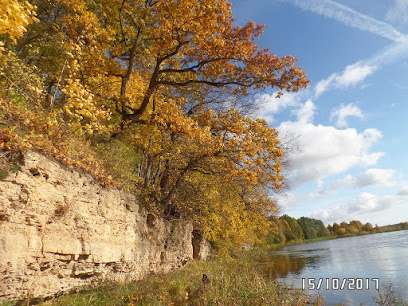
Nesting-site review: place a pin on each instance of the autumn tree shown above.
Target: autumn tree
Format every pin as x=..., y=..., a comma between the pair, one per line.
x=294, y=232
x=183, y=43
x=352, y=228
x=148, y=46
x=368, y=227
x=277, y=234
x=15, y=17
x=171, y=80
x=356, y=224
x=313, y=228
x=335, y=228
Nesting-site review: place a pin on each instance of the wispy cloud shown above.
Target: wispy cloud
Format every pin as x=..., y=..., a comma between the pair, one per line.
x=359, y=71
x=306, y=113
x=341, y=114
x=350, y=17
x=324, y=85
x=370, y=178
x=388, y=54
x=399, y=12
x=362, y=205
x=269, y=105
x=356, y=73
x=380, y=177
x=352, y=75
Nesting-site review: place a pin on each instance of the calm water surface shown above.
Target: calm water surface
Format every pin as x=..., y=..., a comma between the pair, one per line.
x=383, y=256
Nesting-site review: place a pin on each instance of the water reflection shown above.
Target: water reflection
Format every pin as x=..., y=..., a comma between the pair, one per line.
x=380, y=256
x=282, y=265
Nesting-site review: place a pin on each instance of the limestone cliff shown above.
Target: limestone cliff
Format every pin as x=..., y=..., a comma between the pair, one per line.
x=60, y=230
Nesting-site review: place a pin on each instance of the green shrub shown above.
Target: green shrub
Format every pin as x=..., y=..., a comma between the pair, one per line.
x=15, y=168
x=3, y=174
x=121, y=161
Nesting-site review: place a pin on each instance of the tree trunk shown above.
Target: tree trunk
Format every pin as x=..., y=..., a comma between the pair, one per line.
x=132, y=60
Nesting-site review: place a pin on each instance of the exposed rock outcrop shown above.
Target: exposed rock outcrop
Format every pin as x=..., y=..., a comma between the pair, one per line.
x=202, y=249
x=59, y=230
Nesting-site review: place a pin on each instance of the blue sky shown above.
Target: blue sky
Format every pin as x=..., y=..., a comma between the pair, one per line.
x=349, y=129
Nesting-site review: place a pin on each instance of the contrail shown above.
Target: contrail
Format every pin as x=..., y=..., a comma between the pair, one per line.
x=351, y=18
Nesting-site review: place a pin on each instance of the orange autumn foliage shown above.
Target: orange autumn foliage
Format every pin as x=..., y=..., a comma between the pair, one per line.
x=173, y=81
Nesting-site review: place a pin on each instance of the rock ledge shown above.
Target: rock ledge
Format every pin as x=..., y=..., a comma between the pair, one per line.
x=59, y=231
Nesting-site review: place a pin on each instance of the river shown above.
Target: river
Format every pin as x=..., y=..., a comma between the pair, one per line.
x=347, y=270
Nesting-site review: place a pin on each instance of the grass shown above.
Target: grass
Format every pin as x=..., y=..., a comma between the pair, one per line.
x=318, y=239
x=246, y=279
x=239, y=281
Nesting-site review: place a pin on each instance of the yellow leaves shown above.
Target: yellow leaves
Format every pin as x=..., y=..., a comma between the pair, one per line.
x=48, y=134
x=147, y=138
x=82, y=108
x=226, y=217
x=250, y=149
x=170, y=112
x=159, y=71
x=15, y=16
x=20, y=80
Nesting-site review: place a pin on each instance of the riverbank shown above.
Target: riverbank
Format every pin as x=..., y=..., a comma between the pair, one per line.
x=243, y=280
x=318, y=239
x=275, y=247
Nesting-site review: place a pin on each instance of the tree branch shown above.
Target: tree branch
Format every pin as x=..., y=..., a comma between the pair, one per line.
x=211, y=83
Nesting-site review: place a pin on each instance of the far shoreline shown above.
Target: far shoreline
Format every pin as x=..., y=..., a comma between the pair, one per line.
x=277, y=247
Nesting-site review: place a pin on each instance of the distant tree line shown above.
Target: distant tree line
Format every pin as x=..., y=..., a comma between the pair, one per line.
x=290, y=230
x=352, y=228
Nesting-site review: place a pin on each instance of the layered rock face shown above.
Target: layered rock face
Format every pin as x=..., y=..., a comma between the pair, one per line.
x=59, y=230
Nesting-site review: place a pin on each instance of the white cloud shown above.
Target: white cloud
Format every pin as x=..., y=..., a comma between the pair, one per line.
x=341, y=114
x=380, y=177
x=350, y=18
x=403, y=191
x=324, y=85
x=340, y=183
x=326, y=151
x=361, y=206
x=399, y=12
x=306, y=112
x=333, y=188
x=389, y=54
x=371, y=177
x=352, y=75
x=356, y=73
x=269, y=105
x=365, y=202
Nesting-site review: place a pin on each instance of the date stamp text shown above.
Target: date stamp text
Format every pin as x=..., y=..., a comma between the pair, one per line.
x=340, y=283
